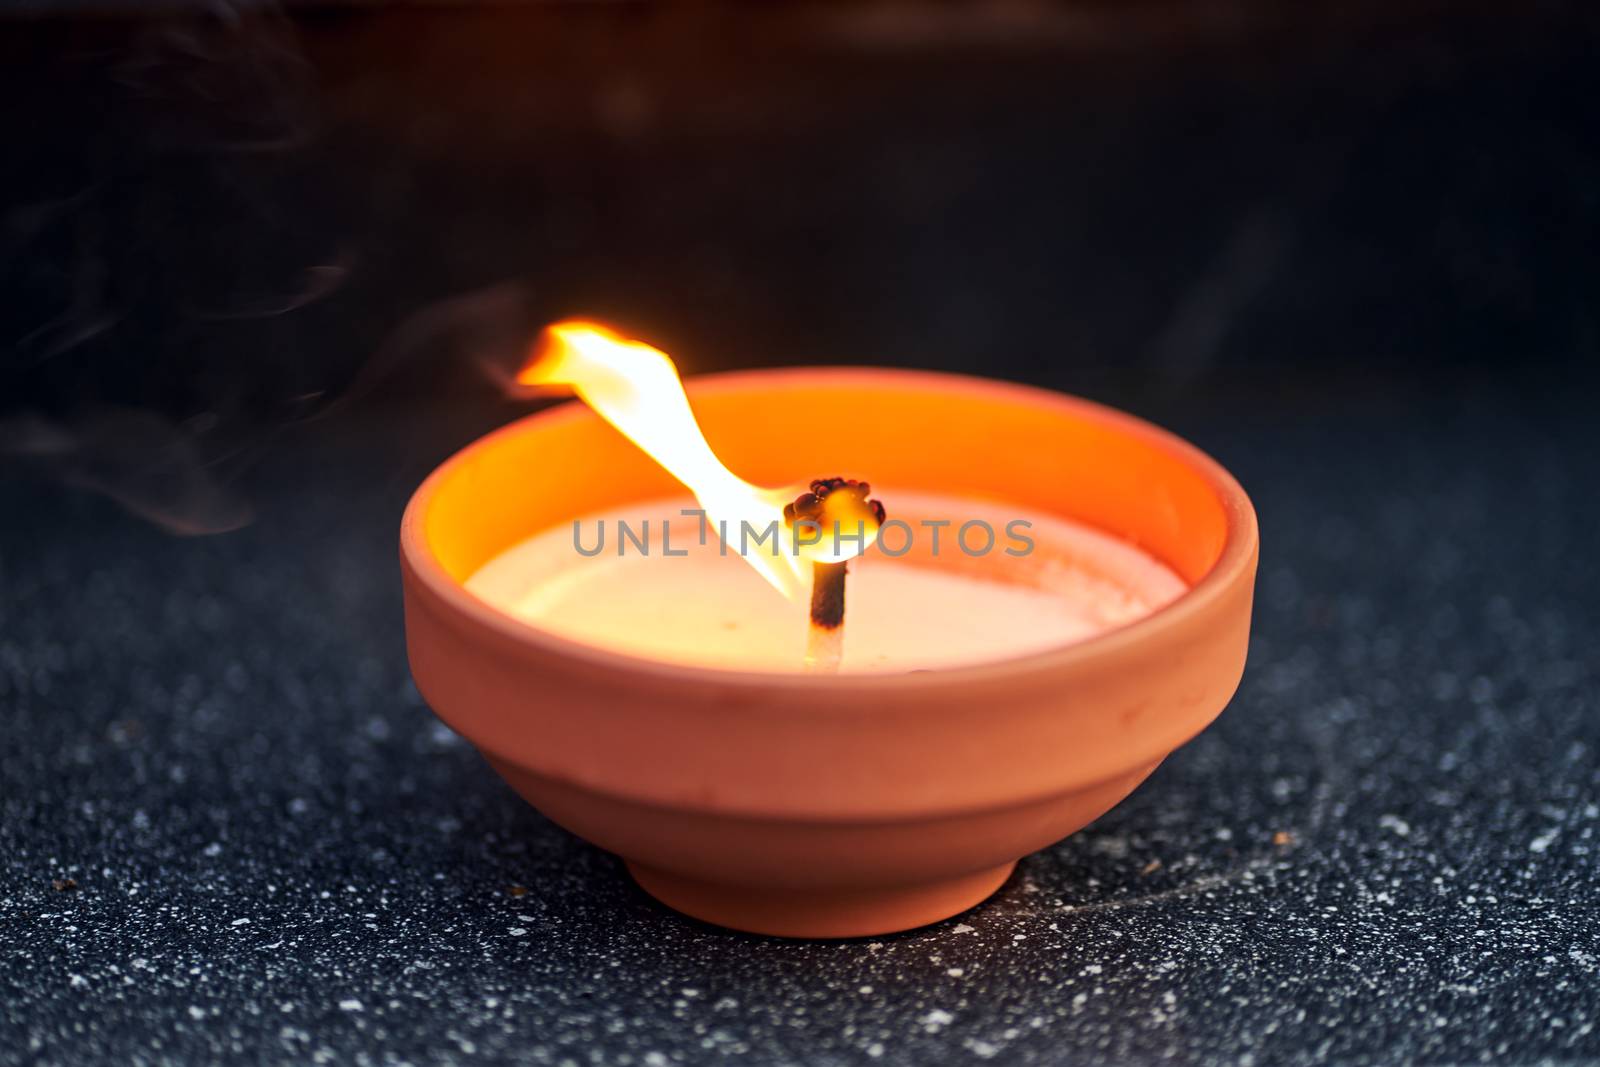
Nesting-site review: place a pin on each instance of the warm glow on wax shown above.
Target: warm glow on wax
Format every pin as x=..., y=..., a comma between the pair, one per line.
x=636, y=389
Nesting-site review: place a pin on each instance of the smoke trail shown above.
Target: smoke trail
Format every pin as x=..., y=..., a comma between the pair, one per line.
x=490, y=328
x=136, y=458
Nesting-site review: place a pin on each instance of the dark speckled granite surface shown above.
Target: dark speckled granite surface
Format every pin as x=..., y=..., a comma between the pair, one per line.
x=1385, y=850
x=1353, y=250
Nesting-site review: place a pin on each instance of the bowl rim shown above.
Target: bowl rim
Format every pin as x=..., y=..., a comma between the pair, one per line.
x=1236, y=560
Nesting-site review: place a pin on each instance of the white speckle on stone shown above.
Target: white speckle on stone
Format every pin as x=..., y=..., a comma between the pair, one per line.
x=517, y=931
x=955, y=972
x=962, y=928
x=875, y=1050
x=982, y=1049
x=1543, y=841
x=350, y=1004
x=79, y=982
x=655, y=1059
x=240, y=922
x=936, y=1020
x=196, y=1012
x=1395, y=824
x=214, y=849
x=865, y=991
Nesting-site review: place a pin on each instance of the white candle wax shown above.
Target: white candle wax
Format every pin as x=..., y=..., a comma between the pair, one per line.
x=926, y=610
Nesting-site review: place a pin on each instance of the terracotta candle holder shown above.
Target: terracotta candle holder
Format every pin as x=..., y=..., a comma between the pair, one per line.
x=812, y=805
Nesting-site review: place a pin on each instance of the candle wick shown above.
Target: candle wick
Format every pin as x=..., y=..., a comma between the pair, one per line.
x=829, y=497
x=825, y=634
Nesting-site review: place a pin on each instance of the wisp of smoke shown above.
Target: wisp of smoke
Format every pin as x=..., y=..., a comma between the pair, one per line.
x=491, y=329
x=134, y=457
x=316, y=282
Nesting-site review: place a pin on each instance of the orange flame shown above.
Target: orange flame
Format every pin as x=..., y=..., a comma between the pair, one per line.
x=636, y=389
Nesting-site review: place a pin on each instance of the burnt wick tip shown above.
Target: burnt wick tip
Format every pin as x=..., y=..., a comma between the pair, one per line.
x=809, y=505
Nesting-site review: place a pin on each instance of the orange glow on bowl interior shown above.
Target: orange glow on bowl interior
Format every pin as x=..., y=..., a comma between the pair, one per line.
x=940, y=433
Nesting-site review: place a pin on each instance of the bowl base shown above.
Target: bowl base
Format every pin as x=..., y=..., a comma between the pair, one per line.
x=820, y=912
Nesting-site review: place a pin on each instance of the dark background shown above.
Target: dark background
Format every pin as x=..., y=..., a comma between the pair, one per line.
x=261, y=269
x=238, y=220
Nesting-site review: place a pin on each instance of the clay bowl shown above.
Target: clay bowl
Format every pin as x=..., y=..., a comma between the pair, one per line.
x=851, y=805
